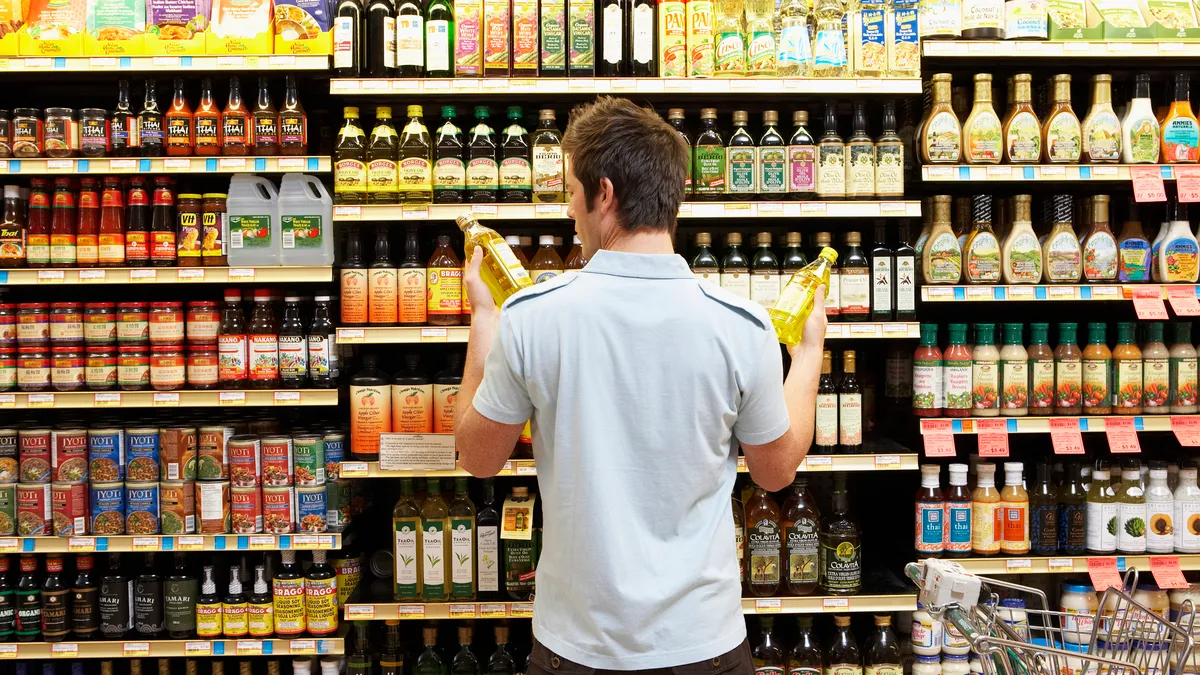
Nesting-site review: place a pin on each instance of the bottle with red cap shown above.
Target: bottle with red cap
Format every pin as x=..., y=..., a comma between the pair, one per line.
x=263, y=334
x=232, y=343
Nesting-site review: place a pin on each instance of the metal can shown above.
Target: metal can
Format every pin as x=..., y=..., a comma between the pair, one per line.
x=246, y=510
x=69, y=505
x=335, y=453
x=8, y=509
x=277, y=510
x=276, y=460
x=212, y=506
x=212, y=461
x=245, y=461
x=141, y=454
x=69, y=455
x=108, y=508
x=9, y=466
x=310, y=459
x=106, y=454
x=177, y=507
x=33, y=509
x=141, y=507
x=310, y=509
x=34, y=447
x=337, y=505
x=178, y=457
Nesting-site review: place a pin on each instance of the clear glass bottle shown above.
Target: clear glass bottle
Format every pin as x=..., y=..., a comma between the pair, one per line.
x=1101, y=127
x=982, y=133
x=1061, y=132
x=829, y=45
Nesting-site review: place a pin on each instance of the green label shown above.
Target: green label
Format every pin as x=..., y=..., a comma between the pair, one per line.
x=249, y=231
x=408, y=584
x=583, y=40
x=841, y=566
x=462, y=557
x=710, y=169
x=433, y=561
x=301, y=231
x=772, y=169
x=554, y=45
x=741, y=170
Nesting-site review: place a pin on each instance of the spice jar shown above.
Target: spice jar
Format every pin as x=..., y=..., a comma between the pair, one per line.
x=216, y=228
x=93, y=132
x=8, y=324
x=26, y=133
x=33, y=368
x=133, y=367
x=190, y=235
x=8, y=368
x=33, y=323
x=203, y=366
x=99, y=323
x=168, y=367
x=5, y=133
x=67, y=372
x=61, y=137
x=203, y=321
x=166, y=323
x=100, y=372
x=133, y=322
x=66, y=323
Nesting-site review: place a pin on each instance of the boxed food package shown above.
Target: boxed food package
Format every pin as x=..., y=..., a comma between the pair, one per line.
x=176, y=27
x=115, y=27
x=12, y=17
x=1074, y=20
x=1172, y=19
x=1122, y=20
x=303, y=26
x=54, y=28
x=241, y=27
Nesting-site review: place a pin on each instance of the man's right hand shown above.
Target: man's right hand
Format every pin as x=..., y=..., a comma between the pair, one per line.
x=813, y=335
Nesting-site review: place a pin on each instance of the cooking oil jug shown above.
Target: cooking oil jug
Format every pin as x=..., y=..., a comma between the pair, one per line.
x=501, y=270
x=796, y=301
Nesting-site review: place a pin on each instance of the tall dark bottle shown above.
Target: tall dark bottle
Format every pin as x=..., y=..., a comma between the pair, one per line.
x=349, y=47
x=906, y=277
x=179, y=600
x=643, y=39
x=266, y=122
x=116, y=591
x=123, y=130
x=449, y=169
x=487, y=533
x=410, y=38
x=883, y=278
x=613, y=20
x=8, y=602
x=516, y=172
x=150, y=123
x=381, y=39
x=55, y=625
x=29, y=601
x=148, y=619
x=483, y=171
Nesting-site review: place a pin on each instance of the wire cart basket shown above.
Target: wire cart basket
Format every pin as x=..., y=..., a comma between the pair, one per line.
x=1123, y=637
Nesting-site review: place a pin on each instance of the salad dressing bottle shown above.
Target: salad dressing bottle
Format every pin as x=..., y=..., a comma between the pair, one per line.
x=1061, y=131
x=956, y=372
x=941, y=135
x=1131, y=511
x=985, y=372
x=985, y=501
x=1180, y=131
x=1014, y=373
x=1101, y=128
x=1133, y=250
x=1140, y=132
x=1014, y=506
x=1101, y=509
x=1022, y=130
x=1041, y=369
x=1068, y=371
x=1156, y=370
x=1099, y=245
x=1183, y=369
x=981, y=255
x=982, y=130
x=1021, y=256
x=941, y=259
x=1155, y=248
x=1097, y=364
x=1178, y=254
x=1127, y=371
x=1062, y=257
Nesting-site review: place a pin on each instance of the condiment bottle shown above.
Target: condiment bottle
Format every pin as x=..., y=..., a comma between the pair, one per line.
x=1041, y=369
x=1187, y=505
x=37, y=232
x=927, y=374
x=1072, y=513
x=739, y=160
x=150, y=123
x=263, y=343
x=370, y=409
x=350, y=165
x=1133, y=250
x=1099, y=245
x=208, y=607
x=860, y=158
x=981, y=255
x=889, y=157
x=802, y=159
x=1043, y=513
x=985, y=372
x=1061, y=130
x=1021, y=259
x=235, y=122
x=1180, y=131
x=1014, y=505
x=207, y=121
x=1156, y=370
x=1140, y=131
x=941, y=258
x=985, y=500
x=1160, y=511
x=1068, y=372
x=383, y=177
x=905, y=258
x=708, y=159
x=382, y=282
x=287, y=591
x=930, y=509
x=111, y=238
x=941, y=136
x=1062, y=257
x=87, y=230
x=260, y=610
x=1022, y=130
x=547, y=264
x=1097, y=364
x=180, y=135
x=1183, y=369
x=233, y=607
x=266, y=122
x=1127, y=371
x=799, y=519
x=1131, y=511
x=445, y=285
x=320, y=597
x=850, y=425
x=831, y=159
x=232, y=343
x=1014, y=373
x=1101, y=128
x=765, y=543
x=957, y=514
x=1178, y=257
x=855, y=279
x=515, y=172
x=960, y=222
x=825, y=426
x=62, y=225
x=957, y=372
x=833, y=303
x=982, y=129
x=1101, y=508
x=293, y=122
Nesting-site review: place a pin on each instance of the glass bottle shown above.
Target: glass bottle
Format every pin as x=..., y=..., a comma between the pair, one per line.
x=826, y=424
x=770, y=162
x=889, y=157
x=831, y=160
x=449, y=169
x=735, y=269
x=941, y=136
x=1100, y=253
x=444, y=307
x=178, y=120
x=293, y=121
x=860, y=158
x=840, y=562
x=265, y=122
x=435, y=543
x=854, y=292
x=1127, y=371
x=359, y=661
x=802, y=157
x=1101, y=514
x=1131, y=511
x=1183, y=366
x=800, y=522
x=1187, y=505
x=464, y=662
x=235, y=122
x=985, y=521
x=850, y=426
x=501, y=661
x=410, y=38
x=765, y=541
x=263, y=343
x=520, y=559
x=764, y=272
x=740, y=160
x=1062, y=257
x=883, y=278
x=675, y=118
x=883, y=650
x=956, y=515
x=415, y=166
x=516, y=171
x=1097, y=372
x=462, y=543
x=429, y=662
x=767, y=654
x=1022, y=130
x=1071, y=505
x=982, y=130
x=293, y=347
x=207, y=120
x=29, y=601
x=123, y=127
x=55, y=625
x=1160, y=511
x=549, y=183
x=150, y=123
x=842, y=656
x=805, y=658
x=708, y=160
x=1061, y=131
x=350, y=45
x=1101, y=127
x=85, y=600
x=383, y=171
x=1014, y=509
x=350, y=160
x=483, y=171
x=439, y=39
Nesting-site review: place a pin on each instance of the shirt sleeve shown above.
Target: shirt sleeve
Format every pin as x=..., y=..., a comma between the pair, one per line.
x=762, y=416
x=503, y=396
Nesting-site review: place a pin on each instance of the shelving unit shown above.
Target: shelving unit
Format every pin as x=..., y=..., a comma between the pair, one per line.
x=1041, y=425
x=1068, y=564
x=1007, y=173
x=1074, y=49
x=183, y=542
x=413, y=335
x=482, y=87
x=170, y=64
x=165, y=165
x=691, y=210
x=166, y=275
x=169, y=399
x=124, y=649
x=1042, y=292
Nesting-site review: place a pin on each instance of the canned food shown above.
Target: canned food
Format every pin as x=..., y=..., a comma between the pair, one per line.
x=142, y=453
x=177, y=507
x=310, y=509
x=33, y=509
x=277, y=510
x=310, y=459
x=108, y=508
x=276, y=460
x=212, y=462
x=141, y=507
x=178, y=461
x=245, y=468
x=8, y=509
x=69, y=505
x=337, y=505
x=69, y=455
x=9, y=467
x=212, y=506
x=335, y=453
x=106, y=454
x=34, y=447
x=246, y=510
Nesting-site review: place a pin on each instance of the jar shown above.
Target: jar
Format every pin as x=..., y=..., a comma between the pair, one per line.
x=66, y=323
x=100, y=323
x=133, y=367
x=61, y=137
x=93, y=132
x=33, y=323
x=1078, y=603
x=926, y=633
x=5, y=133
x=1190, y=667
x=1180, y=595
x=166, y=323
x=203, y=366
x=215, y=224
x=956, y=664
x=975, y=664
x=133, y=323
x=1154, y=598
x=927, y=665
x=33, y=368
x=8, y=368
x=100, y=373
x=8, y=325
x=1012, y=612
x=190, y=229
x=68, y=368
x=203, y=322
x=954, y=642
x=26, y=132
x=168, y=367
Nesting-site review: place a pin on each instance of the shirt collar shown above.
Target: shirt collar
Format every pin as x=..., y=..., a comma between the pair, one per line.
x=639, y=265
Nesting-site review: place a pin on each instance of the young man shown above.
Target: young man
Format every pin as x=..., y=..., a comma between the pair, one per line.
x=641, y=382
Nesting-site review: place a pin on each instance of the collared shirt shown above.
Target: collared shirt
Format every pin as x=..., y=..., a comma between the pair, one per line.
x=639, y=379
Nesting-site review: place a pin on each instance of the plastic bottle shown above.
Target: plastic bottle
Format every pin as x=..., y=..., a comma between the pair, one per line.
x=1014, y=506
x=254, y=234
x=1187, y=509
x=957, y=516
x=796, y=300
x=985, y=540
x=305, y=221
x=1178, y=257
x=1101, y=509
x=1156, y=370
x=1183, y=369
x=1131, y=511
x=957, y=372
x=930, y=511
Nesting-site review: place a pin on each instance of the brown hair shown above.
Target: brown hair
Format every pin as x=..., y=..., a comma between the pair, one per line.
x=644, y=157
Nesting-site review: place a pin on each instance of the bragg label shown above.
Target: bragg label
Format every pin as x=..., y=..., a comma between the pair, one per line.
x=69, y=505
x=142, y=455
x=68, y=458
x=289, y=600
x=33, y=510
x=310, y=509
x=177, y=508
x=277, y=510
x=246, y=511
x=445, y=291
x=108, y=508
x=335, y=452
x=276, y=460
x=212, y=507
x=35, y=455
x=178, y=453
x=349, y=573
x=321, y=605
x=208, y=620
x=141, y=507
x=310, y=460
x=261, y=620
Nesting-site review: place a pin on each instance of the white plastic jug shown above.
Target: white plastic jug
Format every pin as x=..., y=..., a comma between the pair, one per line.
x=305, y=221
x=253, y=209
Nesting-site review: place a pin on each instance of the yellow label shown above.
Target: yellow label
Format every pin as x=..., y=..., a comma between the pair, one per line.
x=483, y=174
x=983, y=527
x=289, y=606
x=208, y=620
x=415, y=175
x=321, y=605
x=445, y=291
x=233, y=618
x=382, y=176
x=700, y=38
x=350, y=175
x=261, y=619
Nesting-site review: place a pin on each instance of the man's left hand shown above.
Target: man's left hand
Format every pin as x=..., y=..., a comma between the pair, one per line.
x=483, y=307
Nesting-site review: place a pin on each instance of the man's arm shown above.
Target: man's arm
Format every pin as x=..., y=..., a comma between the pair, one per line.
x=773, y=465
x=483, y=444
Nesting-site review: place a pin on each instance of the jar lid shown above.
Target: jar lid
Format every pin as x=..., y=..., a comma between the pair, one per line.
x=189, y=195
x=66, y=305
x=202, y=303
x=202, y=347
x=131, y=305
x=32, y=350
x=26, y=112
x=64, y=350
x=955, y=657
x=215, y=195
x=100, y=305
x=93, y=112
x=167, y=348
x=927, y=659
x=1077, y=587
x=33, y=305
x=99, y=349
x=1013, y=603
x=165, y=305
x=132, y=348
x=60, y=112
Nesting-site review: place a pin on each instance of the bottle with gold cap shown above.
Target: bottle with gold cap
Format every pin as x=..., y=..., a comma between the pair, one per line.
x=740, y=159
x=1022, y=130
x=676, y=120
x=941, y=258
x=383, y=177
x=1021, y=254
x=350, y=166
x=1061, y=132
x=798, y=296
x=705, y=265
x=983, y=137
x=429, y=662
x=416, y=160
x=548, y=180
x=941, y=135
x=501, y=271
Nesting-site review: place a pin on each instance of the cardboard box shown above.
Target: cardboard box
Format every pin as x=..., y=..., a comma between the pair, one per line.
x=261, y=44
x=53, y=28
x=1074, y=20
x=28, y=45
x=176, y=28
x=303, y=27
x=135, y=46
x=9, y=44
x=155, y=45
x=1122, y=20
x=1172, y=19
x=241, y=27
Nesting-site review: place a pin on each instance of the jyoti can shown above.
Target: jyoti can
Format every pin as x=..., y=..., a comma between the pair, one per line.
x=178, y=456
x=246, y=510
x=337, y=505
x=276, y=460
x=141, y=507
x=69, y=455
x=335, y=452
x=212, y=460
x=310, y=509
x=34, y=448
x=9, y=466
x=108, y=508
x=177, y=507
x=310, y=460
x=212, y=506
x=8, y=509
x=33, y=509
x=142, y=454
x=245, y=461
x=278, y=510
x=69, y=506
x=106, y=454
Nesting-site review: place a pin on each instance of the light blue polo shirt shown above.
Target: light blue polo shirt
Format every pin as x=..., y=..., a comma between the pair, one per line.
x=639, y=378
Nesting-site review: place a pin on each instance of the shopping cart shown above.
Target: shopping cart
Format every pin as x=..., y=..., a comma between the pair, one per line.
x=1123, y=637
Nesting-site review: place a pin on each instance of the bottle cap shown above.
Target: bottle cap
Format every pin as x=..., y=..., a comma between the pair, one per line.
x=291, y=298
x=260, y=579
x=931, y=475
x=235, y=582
x=733, y=239
x=546, y=240
x=321, y=298
x=800, y=117
x=740, y=118
x=512, y=240
x=708, y=113
x=415, y=111
x=318, y=557
x=792, y=238
x=763, y=238
x=449, y=111
x=703, y=239
x=350, y=112
x=675, y=114
x=545, y=114
x=514, y=112
x=770, y=118
x=384, y=111
x=481, y=111
x=853, y=238
x=209, y=587
x=288, y=556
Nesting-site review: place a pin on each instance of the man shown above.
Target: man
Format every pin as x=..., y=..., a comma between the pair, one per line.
x=640, y=382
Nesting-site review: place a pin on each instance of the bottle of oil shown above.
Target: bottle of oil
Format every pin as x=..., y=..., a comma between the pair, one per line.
x=796, y=300
x=708, y=159
x=765, y=540
x=406, y=547
x=383, y=183
x=449, y=170
x=841, y=552
x=435, y=543
x=502, y=271
x=483, y=173
x=735, y=269
x=548, y=181
x=516, y=175
x=767, y=654
x=350, y=167
x=416, y=175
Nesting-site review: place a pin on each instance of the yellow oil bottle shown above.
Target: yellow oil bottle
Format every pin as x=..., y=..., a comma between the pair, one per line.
x=796, y=301
x=501, y=271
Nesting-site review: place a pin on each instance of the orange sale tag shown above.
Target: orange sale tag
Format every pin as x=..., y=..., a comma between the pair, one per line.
x=938, y=438
x=1148, y=184
x=1187, y=183
x=1167, y=573
x=1187, y=431
x=1147, y=302
x=1183, y=300
x=1065, y=436
x=1104, y=574
x=1122, y=435
x=993, y=437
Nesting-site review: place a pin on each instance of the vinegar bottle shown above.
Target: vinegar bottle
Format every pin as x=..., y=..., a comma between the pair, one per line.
x=445, y=285
x=354, y=283
x=382, y=298
x=370, y=409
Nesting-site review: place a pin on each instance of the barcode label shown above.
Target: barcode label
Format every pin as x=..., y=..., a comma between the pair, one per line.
x=235, y=239
x=289, y=239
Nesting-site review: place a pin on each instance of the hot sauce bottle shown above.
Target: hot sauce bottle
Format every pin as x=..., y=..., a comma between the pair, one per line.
x=266, y=122
x=112, y=224
x=180, y=137
x=62, y=225
x=207, y=121
x=293, y=123
x=137, y=228
x=37, y=232
x=150, y=123
x=235, y=123
x=263, y=343
x=162, y=224
x=87, y=243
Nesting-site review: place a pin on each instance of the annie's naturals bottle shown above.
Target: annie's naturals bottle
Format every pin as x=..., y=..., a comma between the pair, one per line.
x=1101, y=128
x=1022, y=131
x=800, y=521
x=1061, y=131
x=1180, y=132
x=942, y=258
x=982, y=132
x=941, y=135
x=708, y=159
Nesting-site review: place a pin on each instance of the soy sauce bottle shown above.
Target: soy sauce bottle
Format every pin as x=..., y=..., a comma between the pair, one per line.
x=85, y=600
x=54, y=601
x=123, y=130
x=179, y=600
x=148, y=619
x=150, y=123
x=116, y=616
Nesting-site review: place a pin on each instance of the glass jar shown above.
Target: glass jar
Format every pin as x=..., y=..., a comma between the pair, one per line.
x=8, y=325
x=100, y=323
x=166, y=323
x=1153, y=597
x=33, y=323
x=133, y=367
x=8, y=368
x=215, y=232
x=93, y=132
x=27, y=132
x=168, y=367
x=68, y=368
x=203, y=322
x=33, y=368
x=927, y=665
x=203, y=366
x=61, y=136
x=101, y=370
x=190, y=229
x=956, y=664
x=1078, y=603
x=1180, y=595
x=66, y=323
x=133, y=323
x=5, y=133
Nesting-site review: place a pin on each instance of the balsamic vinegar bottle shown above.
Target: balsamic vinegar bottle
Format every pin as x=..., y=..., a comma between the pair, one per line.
x=349, y=47
x=883, y=278
x=381, y=39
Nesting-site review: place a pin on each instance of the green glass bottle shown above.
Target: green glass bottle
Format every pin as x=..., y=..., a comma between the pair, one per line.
x=429, y=662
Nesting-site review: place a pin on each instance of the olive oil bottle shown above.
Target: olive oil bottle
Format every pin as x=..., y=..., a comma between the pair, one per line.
x=883, y=650
x=449, y=170
x=516, y=174
x=771, y=161
x=350, y=165
x=705, y=265
x=740, y=160
x=767, y=654
x=798, y=296
x=840, y=563
x=831, y=160
x=765, y=541
x=708, y=159
x=416, y=175
x=383, y=177
x=462, y=543
x=843, y=656
x=483, y=171
x=860, y=158
x=735, y=269
x=549, y=184
x=501, y=271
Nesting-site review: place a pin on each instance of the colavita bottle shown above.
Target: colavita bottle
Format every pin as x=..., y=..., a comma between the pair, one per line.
x=802, y=159
x=549, y=184
x=293, y=122
x=516, y=173
x=150, y=123
x=709, y=180
x=1180, y=131
x=840, y=561
x=415, y=160
x=207, y=120
x=349, y=45
x=767, y=654
x=842, y=656
x=740, y=174
x=735, y=269
x=370, y=409
x=850, y=426
x=85, y=599
x=266, y=122
x=178, y=120
x=765, y=541
x=444, y=306
x=383, y=171
x=800, y=523
x=739, y=534
x=350, y=161
x=831, y=160
x=449, y=169
x=235, y=122
x=826, y=426
x=483, y=169
x=123, y=130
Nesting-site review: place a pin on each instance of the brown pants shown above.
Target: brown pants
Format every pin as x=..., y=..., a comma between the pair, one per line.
x=734, y=662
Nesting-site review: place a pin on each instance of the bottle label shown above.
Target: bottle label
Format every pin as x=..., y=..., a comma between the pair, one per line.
x=764, y=288
x=433, y=564
x=1024, y=140
x=1024, y=259
x=737, y=283
x=794, y=49
x=548, y=172
x=672, y=39
x=1072, y=530
x=710, y=169
x=137, y=247
x=860, y=167
x=179, y=131
x=516, y=174
x=483, y=174
x=760, y=53
x=1180, y=258
x=764, y=542
x=1159, y=523
x=613, y=25
x=700, y=37
x=771, y=169
x=415, y=175
x=381, y=299
x=881, y=284
x=260, y=620
x=1144, y=134
x=489, y=558
x=208, y=620
x=982, y=259
x=983, y=14
x=354, y=289
x=233, y=619
x=929, y=527
x=943, y=139
x=833, y=306
x=827, y=420
x=449, y=173
x=1014, y=380
x=985, y=385
x=383, y=175
x=266, y=129
x=1100, y=257
x=321, y=605
x=888, y=669
x=1187, y=526
x=889, y=170
x=1063, y=257
x=293, y=357
x=831, y=170
x=802, y=551
x=855, y=291
x=1131, y=520
x=445, y=291
x=413, y=301
x=1134, y=260
x=872, y=46
x=731, y=53
x=841, y=569
x=803, y=161
x=906, y=283
x=1096, y=383
x=232, y=356
x=1102, y=525
x=829, y=49
x=1102, y=138
x=437, y=46
x=1041, y=383
x=1156, y=382
x=985, y=535
x=1063, y=138
x=957, y=520
x=582, y=25
x=462, y=556
x=410, y=48
x=927, y=384
x=407, y=584
x=1181, y=140
x=552, y=16
x=1129, y=383
x=850, y=419
x=249, y=232
x=343, y=42
x=264, y=357
x=1015, y=517
x=945, y=258
x=984, y=139
x=1183, y=380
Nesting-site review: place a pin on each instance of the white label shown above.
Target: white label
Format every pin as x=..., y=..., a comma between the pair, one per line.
x=850, y=419
x=643, y=34
x=612, y=33
x=1100, y=538
x=737, y=283
x=437, y=45
x=1185, y=540
x=462, y=567
x=343, y=42
x=1131, y=519
x=389, y=42
x=410, y=42
x=764, y=288
x=434, y=565
x=881, y=284
x=404, y=452
x=489, y=558
x=1156, y=509
x=855, y=293
x=406, y=557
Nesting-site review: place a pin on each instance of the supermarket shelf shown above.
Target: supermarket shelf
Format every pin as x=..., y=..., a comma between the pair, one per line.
x=76, y=64
x=167, y=648
x=1005, y=173
x=142, y=165
x=818, y=604
x=169, y=399
x=987, y=49
x=526, y=467
x=987, y=293
x=206, y=542
x=377, y=336
x=623, y=85
x=165, y=275
x=1041, y=425
x=1067, y=564
x=690, y=210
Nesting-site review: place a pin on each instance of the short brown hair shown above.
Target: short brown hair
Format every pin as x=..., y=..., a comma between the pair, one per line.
x=644, y=157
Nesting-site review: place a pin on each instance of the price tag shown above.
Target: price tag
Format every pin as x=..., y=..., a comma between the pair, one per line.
x=492, y=610
x=415, y=213
x=887, y=461
x=306, y=541
x=135, y=649
x=364, y=611
x=40, y=400
x=435, y=334
x=993, y=437
x=302, y=646
x=177, y=164
x=146, y=543
x=232, y=398
x=999, y=172
x=1062, y=292
x=189, y=543
x=249, y=647
x=1076, y=46
x=92, y=276
x=462, y=611
x=143, y=274
x=484, y=209
x=50, y=276
x=8, y=400
x=262, y=543
x=1183, y=300
x=59, y=165
x=523, y=610
x=411, y=611
x=64, y=650
x=818, y=463
x=1148, y=184
x=768, y=605
x=8, y=651
x=526, y=469
x=282, y=397
x=864, y=329
x=1104, y=171
x=1104, y=574
x=1018, y=564
x=1053, y=170
x=1118, y=47
x=835, y=603
x=1060, y=564
x=81, y=544
x=106, y=400
x=351, y=335
x=1147, y=302
x=189, y=274
x=1065, y=436
x=290, y=163
x=354, y=470
x=939, y=438
x=122, y=165
x=197, y=648
x=1122, y=436
x=240, y=273
x=1187, y=430
x=9, y=545
x=1106, y=292
x=347, y=212
x=226, y=163
x=1166, y=571
x=1187, y=183
x=812, y=208
x=938, y=292
x=1170, y=46
x=164, y=399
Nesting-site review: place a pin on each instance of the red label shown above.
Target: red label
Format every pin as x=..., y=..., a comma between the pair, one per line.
x=163, y=246
x=1104, y=574
x=1065, y=436
x=264, y=357
x=1187, y=431
x=1187, y=183
x=1122, y=435
x=1167, y=573
x=1183, y=300
x=137, y=246
x=1147, y=302
x=1148, y=184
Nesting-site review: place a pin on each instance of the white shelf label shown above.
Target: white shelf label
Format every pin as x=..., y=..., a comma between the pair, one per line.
x=351, y=335
x=177, y=164
x=50, y=275
x=93, y=276
x=165, y=398
x=40, y=400
x=835, y=603
x=135, y=649
x=232, y=398
x=1018, y=564
x=240, y=273
x=361, y=611
x=60, y=165
x=818, y=462
x=122, y=165
x=347, y=211
x=287, y=397
x=197, y=648
x=354, y=470
x=190, y=274
x=302, y=646
x=102, y=400
x=64, y=650
x=149, y=275
x=290, y=163
x=227, y=163
x=768, y=605
x=1104, y=170
x=1054, y=170
x=8, y=651
x=1059, y=564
